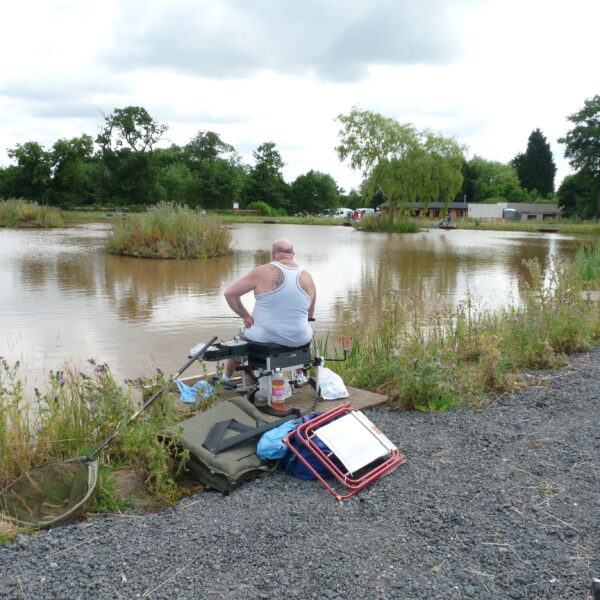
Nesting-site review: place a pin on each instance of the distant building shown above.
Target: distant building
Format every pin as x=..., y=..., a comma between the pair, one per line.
x=523, y=211
x=457, y=210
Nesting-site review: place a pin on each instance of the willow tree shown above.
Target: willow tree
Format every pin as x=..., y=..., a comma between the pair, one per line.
x=583, y=142
x=400, y=162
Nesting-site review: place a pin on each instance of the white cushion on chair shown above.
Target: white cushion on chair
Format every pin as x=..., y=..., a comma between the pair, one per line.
x=355, y=440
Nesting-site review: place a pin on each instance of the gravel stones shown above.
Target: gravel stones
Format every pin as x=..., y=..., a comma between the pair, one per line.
x=501, y=501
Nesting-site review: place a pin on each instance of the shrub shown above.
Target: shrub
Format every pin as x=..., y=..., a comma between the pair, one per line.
x=262, y=207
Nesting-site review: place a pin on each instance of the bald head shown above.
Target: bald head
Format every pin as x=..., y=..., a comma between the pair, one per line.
x=282, y=248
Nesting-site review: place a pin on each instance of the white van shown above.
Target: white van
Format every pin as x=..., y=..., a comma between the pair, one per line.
x=343, y=213
x=365, y=211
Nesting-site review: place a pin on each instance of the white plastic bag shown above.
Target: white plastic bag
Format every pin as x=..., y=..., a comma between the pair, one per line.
x=331, y=384
x=264, y=391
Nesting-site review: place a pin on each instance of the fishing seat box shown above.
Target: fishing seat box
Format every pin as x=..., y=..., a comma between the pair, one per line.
x=228, y=469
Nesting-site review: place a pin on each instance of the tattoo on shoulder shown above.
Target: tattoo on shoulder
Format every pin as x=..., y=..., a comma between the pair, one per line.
x=278, y=278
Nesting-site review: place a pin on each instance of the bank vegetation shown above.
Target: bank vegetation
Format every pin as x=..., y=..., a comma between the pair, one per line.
x=17, y=212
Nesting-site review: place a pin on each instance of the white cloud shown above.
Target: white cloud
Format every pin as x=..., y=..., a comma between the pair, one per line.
x=486, y=71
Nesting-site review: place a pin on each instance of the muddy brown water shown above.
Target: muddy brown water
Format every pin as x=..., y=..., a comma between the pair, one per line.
x=63, y=299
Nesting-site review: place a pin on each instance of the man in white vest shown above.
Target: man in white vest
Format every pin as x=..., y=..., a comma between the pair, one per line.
x=285, y=299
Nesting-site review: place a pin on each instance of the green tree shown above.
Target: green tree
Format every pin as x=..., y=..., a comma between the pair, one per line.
x=176, y=183
x=126, y=149
x=535, y=168
x=31, y=176
x=132, y=127
x=352, y=199
x=314, y=192
x=265, y=181
x=206, y=145
x=72, y=183
x=583, y=142
x=218, y=176
x=577, y=195
x=404, y=164
x=493, y=181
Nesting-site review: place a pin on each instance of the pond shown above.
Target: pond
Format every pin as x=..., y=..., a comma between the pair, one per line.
x=64, y=299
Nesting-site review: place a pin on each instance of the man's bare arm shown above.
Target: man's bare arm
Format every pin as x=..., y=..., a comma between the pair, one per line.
x=308, y=285
x=234, y=293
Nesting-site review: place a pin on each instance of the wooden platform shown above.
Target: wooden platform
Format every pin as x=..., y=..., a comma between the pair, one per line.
x=304, y=398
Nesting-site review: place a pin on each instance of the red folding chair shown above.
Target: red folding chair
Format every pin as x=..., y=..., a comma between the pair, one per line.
x=357, y=452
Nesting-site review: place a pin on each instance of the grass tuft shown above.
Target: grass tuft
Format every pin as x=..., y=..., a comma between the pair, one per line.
x=169, y=231
x=17, y=212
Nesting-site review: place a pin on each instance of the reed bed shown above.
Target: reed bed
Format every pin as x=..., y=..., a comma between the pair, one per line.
x=17, y=212
x=387, y=223
x=169, y=231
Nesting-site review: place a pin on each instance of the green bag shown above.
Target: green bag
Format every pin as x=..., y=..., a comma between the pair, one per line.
x=228, y=469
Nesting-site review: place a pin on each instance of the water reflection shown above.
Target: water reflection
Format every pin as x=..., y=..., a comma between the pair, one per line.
x=62, y=296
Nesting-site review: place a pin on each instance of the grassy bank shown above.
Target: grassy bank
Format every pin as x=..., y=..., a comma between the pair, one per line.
x=470, y=353
x=17, y=212
x=168, y=231
x=564, y=225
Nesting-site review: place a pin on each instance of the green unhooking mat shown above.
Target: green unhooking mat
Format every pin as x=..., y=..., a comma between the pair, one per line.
x=226, y=470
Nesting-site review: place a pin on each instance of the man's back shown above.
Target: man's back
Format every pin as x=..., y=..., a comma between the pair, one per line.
x=282, y=304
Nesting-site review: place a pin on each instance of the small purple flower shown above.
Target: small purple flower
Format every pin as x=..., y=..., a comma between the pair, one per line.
x=92, y=361
x=63, y=381
x=97, y=369
x=517, y=319
x=38, y=429
x=127, y=380
x=139, y=378
x=56, y=399
x=158, y=370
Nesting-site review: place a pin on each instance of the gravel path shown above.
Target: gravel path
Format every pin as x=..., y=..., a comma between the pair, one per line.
x=501, y=502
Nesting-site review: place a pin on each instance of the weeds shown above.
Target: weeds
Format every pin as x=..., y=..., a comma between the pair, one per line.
x=78, y=411
x=168, y=231
x=436, y=363
x=22, y=213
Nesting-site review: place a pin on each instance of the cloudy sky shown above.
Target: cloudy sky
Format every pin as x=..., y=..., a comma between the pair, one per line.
x=487, y=72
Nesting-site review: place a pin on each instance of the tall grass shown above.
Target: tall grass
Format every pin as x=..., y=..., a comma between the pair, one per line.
x=465, y=354
x=588, y=263
x=169, y=231
x=17, y=212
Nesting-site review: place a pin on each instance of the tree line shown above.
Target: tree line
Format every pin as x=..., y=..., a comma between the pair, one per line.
x=123, y=166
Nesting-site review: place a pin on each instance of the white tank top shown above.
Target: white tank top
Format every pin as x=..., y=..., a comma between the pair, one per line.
x=281, y=315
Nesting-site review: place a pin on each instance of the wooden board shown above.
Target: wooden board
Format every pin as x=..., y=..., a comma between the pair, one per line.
x=304, y=397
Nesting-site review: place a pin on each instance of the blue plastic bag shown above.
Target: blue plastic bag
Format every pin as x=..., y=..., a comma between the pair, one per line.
x=295, y=466
x=271, y=446
x=189, y=394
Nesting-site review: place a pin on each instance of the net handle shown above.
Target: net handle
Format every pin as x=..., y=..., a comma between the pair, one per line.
x=134, y=416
